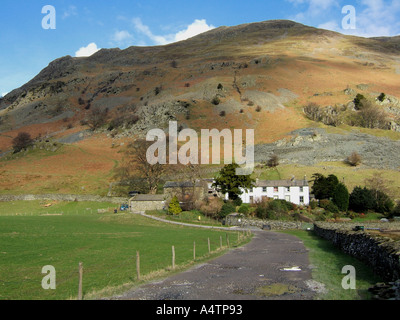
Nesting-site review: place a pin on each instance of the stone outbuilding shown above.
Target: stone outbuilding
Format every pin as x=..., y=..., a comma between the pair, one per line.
x=147, y=202
x=186, y=191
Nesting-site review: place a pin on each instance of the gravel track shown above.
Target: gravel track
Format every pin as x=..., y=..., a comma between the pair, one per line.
x=255, y=271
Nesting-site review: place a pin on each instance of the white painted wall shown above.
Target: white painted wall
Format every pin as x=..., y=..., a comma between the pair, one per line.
x=283, y=193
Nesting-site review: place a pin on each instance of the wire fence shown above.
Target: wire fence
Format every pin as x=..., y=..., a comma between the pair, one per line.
x=87, y=280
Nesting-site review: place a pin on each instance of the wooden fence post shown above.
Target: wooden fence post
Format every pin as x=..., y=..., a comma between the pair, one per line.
x=209, y=246
x=194, y=250
x=220, y=242
x=138, y=265
x=80, y=296
x=227, y=240
x=173, y=257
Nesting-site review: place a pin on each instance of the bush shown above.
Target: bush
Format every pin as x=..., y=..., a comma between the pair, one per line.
x=313, y=205
x=396, y=210
x=227, y=209
x=216, y=101
x=244, y=208
x=174, y=207
x=22, y=141
x=210, y=208
x=329, y=206
x=274, y=209
x=354, y=160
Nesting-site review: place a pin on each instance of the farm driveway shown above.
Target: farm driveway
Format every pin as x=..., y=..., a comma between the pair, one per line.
x=253, y=272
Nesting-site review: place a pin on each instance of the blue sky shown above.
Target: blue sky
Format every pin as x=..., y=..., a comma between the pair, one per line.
x=84, y=26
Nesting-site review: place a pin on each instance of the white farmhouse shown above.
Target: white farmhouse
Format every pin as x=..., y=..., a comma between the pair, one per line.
x=294, y=191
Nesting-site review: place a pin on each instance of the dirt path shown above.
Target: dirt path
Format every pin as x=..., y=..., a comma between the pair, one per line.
x=253, y=272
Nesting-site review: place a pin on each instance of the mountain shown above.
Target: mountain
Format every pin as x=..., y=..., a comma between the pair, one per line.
x=257, y=75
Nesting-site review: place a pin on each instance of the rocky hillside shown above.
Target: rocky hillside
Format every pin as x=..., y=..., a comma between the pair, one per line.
x=256, y=75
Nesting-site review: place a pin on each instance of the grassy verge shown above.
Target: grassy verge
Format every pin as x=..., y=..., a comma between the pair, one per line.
x=191, y=217
x=106, y=244
x=329, y=262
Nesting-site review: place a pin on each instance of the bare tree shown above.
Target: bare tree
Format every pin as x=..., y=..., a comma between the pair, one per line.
x=97, y=118
x=135, y=167
x=378, y=183
x=372, y=117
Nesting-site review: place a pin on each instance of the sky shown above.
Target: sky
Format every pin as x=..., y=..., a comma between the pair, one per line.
x=33, y=32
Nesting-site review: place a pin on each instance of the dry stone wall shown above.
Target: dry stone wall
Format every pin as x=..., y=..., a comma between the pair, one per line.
x=380, y=253
x=63, y=197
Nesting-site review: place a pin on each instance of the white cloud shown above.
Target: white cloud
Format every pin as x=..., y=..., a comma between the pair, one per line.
x=378, y=18
x=195, y=28
x=4, y=94
x=122, y=36
x=87, y=51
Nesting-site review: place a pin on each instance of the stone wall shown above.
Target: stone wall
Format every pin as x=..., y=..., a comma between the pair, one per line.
x=143, y=206
x=380, y=253
x=62, y=197
x=239, y=221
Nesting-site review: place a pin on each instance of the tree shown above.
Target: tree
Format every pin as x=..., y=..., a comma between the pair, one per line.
x=359, y=101
x=273, y=162
x=174, y=207
x=21, y=142
x=383, y=203
x=324, y=187
x=228, y=182
x=135, y=166
x=97, y=118
x=382, y=97
x=372, y=117
x=341, y=197
x=361, y=199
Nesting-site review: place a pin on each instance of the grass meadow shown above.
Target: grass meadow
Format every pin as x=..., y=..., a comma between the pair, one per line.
x=34, y=235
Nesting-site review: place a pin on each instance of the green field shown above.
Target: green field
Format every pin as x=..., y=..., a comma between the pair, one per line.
x=33, y=236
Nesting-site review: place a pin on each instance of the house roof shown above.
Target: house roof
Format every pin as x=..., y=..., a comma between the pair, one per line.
x=282, y=183
x=148, y=197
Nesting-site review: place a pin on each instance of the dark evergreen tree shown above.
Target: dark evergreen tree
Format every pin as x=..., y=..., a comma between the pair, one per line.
x=361, y=199
x=228, y=182
x=341, y=197
x=324, y=187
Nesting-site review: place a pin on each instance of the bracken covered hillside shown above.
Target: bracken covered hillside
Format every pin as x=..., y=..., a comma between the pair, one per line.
x=258, y=75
